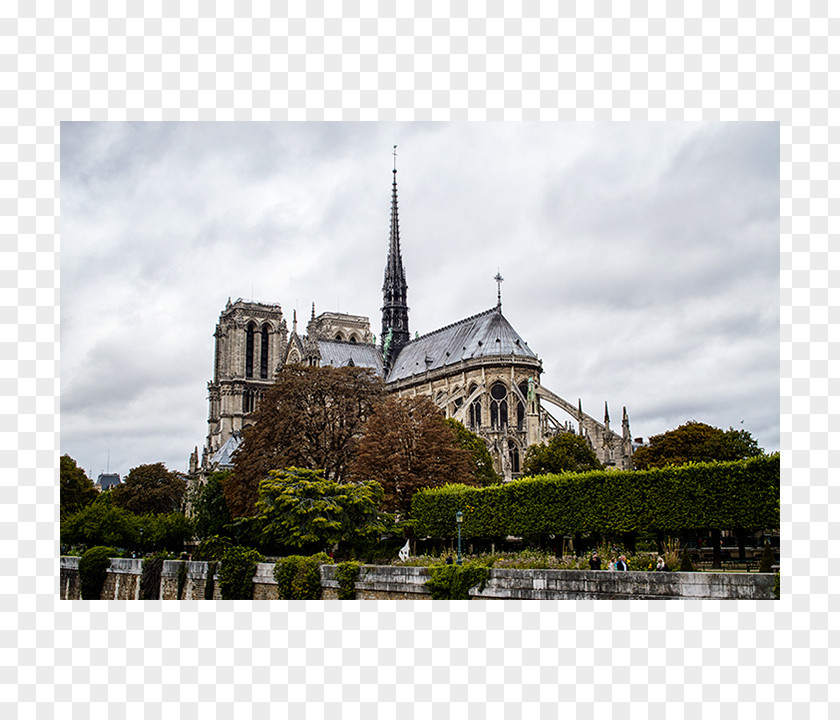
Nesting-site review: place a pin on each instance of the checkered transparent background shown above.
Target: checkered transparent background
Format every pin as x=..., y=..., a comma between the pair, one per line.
x=433, y=60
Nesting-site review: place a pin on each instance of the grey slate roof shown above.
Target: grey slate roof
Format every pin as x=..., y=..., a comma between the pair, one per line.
x=222, y=457
x=340, y=354
x=108, y=480
x=484, y=335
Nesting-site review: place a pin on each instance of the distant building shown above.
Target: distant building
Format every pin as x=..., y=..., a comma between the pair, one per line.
x=478, y=370
x=106, y=481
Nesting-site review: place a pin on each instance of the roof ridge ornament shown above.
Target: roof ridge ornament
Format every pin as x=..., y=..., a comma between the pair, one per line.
x=499, y=280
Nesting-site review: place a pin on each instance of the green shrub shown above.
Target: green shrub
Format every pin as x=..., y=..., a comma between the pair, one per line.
x=213, y=548
x=236, y=576
x=182, y=579
x=299, y=577
x=453, y=582
x=347, y=573
x=685, y=562
x=767, y=561
x=93, y=566
x=150, y=578
x=210, y=582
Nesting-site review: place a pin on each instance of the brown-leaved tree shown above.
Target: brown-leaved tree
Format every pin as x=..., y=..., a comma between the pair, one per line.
x=312, y=417
x=407, y=446
x=150, y=489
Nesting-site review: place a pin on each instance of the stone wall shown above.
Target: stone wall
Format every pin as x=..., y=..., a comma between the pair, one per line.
x=384, y=582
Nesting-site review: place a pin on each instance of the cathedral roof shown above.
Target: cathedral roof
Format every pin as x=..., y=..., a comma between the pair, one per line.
x=341, y=354
x=223, y=456
x=485, y=335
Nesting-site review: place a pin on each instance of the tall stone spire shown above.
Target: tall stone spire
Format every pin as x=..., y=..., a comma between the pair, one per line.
x=394, y=288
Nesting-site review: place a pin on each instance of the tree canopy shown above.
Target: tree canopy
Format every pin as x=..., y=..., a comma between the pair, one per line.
x=695, y=442
x=300, y=507
x=482, y=461
x=150, y=489
x=565, y=452
x=76, y=489
x=210, y=511
x=100, y=523
x=312, y=418
x=408, y=446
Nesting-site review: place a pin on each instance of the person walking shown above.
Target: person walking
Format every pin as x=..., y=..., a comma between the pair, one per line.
x=660, y=563
x=594, y=562
x=622, y=563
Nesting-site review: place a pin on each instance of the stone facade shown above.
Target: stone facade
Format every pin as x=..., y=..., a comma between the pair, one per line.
x=478, y=370
x=387, y=582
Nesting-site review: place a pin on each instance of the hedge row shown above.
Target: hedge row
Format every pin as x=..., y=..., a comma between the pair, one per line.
x=701, y=496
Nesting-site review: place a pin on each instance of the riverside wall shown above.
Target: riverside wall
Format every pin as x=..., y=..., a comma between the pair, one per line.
x=387, y=582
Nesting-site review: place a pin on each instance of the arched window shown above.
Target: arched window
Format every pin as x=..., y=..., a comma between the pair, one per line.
x=513, y=450
x=249, y=350
x=498, y=406
x=520, y=407
x=475, y=409
x=353, y=339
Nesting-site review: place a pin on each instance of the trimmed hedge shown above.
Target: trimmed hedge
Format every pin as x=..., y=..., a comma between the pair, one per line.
x=346, y=574
x=93, y=566
x=299, y=577
x=236, y=575
x=699, y=496
x=453, y=582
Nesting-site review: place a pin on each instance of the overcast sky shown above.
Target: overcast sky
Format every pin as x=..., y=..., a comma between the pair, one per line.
x=641, y=261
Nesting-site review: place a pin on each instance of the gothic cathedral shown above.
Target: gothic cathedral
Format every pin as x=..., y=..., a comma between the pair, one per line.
x=477, y=370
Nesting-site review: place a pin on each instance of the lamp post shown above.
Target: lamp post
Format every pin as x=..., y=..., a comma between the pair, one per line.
x=459, y=518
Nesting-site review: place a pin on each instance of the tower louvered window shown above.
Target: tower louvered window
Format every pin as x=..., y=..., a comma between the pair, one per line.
x=264, y=352
x=249, y=350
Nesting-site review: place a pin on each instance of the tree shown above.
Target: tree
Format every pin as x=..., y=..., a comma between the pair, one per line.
x=300, y=507
x=408, y=446
x=150, y=489
x=164, y=531
x=100, y=523
x=312, y=418
x=210, y=511
x=695, y=442
x=482, y=462
x=76, y=489
x=565, y=452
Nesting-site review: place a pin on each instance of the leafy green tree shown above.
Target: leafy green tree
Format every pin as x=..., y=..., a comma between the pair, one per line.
x=695, y=442
x=482, y=461
x=299, y=507
x=565, y=452
x=164, y=531
x=150, y=489
x=312, y=417
x=101, y=523
x=408, y=446
x=210, y=510
x=75, y=487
